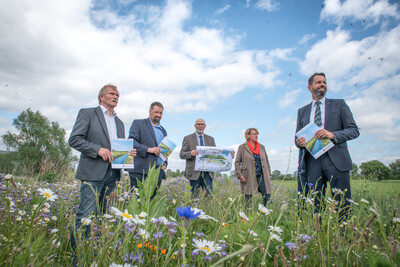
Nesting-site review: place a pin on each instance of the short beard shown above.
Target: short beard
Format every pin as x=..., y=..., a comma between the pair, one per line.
x=319, y=94
x=156, y=120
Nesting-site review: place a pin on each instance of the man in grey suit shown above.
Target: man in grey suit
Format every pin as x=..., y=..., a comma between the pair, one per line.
x=148, y=134
x=188, y=152
x=91, y=135
x=336, y=122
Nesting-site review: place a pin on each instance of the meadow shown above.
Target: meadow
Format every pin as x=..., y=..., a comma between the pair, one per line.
x=176, y=229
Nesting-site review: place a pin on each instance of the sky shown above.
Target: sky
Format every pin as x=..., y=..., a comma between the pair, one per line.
x=237, y=64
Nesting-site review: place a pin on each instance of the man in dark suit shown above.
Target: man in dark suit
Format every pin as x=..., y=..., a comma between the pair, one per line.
x=188, y=152
x=91, y=135
x=148, y=134
x=336, y=123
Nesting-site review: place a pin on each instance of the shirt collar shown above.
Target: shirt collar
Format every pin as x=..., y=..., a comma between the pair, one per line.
x=321, y=100
x=105, y=111
x=157, y=126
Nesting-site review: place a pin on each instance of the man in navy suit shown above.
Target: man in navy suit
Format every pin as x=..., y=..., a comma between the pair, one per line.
x=148, y=134
x=91, y=135
x=336, y=122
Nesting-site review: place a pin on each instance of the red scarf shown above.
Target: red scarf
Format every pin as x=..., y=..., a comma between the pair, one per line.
x=256, y=149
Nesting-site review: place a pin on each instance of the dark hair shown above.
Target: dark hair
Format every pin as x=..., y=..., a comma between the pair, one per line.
x=156, y=103
x=103, y=90
x=311, y=79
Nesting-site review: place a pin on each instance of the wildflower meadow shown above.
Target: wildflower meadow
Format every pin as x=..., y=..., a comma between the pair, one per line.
x=177, y=229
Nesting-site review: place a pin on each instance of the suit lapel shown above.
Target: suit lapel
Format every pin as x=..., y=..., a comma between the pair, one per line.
x=327, y=111
x=151, y=130
x=100, y=115
x=120, y=128
x=307, y=114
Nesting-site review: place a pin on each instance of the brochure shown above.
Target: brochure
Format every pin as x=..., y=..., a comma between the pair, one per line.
x=316, y=147
x=166, y=146
x=213, y=159
x=120, y=151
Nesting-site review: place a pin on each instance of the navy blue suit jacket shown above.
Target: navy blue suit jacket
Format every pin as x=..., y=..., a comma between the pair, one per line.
x=88, y=136
x=144, y=137
x=340, y=121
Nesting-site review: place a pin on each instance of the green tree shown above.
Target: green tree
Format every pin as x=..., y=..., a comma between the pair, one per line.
x=39, y=145
x=276, y=174
x=395, y=169
x=354, y=173
x=375, y=169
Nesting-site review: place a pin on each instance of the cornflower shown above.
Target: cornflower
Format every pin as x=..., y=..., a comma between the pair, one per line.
x=187, y=213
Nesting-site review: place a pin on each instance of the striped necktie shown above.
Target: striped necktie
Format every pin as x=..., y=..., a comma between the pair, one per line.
x=317, y=118
x=201, y=140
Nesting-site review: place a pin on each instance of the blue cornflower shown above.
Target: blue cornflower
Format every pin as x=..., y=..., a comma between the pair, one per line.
x=158, y=235
x=310, y=184
x=291, y=246
x=304, y=238
x=187, y=213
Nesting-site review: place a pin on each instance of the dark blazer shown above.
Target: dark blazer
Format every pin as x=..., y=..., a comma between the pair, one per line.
x=88, y=136
x=144, y=137
x=189, y=143
x=340, y=121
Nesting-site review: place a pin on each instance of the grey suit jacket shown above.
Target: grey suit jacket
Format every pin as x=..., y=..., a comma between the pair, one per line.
x=340, y=121
x=144, y=137
x=189, y=143
x=88, y=135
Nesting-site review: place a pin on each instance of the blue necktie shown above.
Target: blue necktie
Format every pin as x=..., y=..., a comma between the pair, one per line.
x=201, y=140
x=317, y=118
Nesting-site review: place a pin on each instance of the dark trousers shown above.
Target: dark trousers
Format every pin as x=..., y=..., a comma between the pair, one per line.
x=321, y=171
x=204, y=182
x=135, y=177
x=262, y=189
x=94, y=194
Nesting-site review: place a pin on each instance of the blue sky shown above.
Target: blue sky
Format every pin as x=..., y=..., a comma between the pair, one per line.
x=237, y=64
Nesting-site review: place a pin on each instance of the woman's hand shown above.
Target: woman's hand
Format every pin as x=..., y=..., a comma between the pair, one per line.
x=242, y=180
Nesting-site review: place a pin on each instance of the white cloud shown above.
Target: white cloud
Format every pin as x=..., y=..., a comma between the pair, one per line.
x=368, y=10
x=289, y=98
x=222, y=9
x=347, y=62
x=56, y=56
x=307, y=37
x=268, y=5
x=376, y=110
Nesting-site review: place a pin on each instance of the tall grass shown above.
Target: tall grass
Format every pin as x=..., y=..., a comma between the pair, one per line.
x=289, y=233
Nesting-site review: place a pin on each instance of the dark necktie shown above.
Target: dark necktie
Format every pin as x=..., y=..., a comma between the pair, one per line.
x=317, y=118
x=201, y=140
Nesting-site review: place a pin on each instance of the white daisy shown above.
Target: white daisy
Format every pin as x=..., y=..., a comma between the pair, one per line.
x=396, y=220
x=86, y=221
x=244, y=217
x=203, y=216
x=174, y=201
x=275, y=237
x=364, y=201
x=143, y=233
x=47, y=193
x=143, y=214
x=108, y=216
x=207, y=247
x=54, y=218
x=21, y=212
x=125, y=215
x=275, y=229
x=253, y=233
x=352, y=201
x=263, y=209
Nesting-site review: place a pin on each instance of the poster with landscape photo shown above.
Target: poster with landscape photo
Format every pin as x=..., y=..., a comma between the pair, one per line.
x=120, y=151
x=317, y=147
